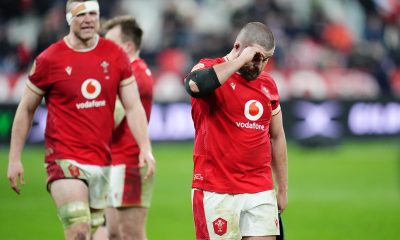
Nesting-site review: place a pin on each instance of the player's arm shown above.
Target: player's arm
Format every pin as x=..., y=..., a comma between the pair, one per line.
x=119, y=113
x=279, y=159
x=21, y=126
x=203, y=82
x=137, y=122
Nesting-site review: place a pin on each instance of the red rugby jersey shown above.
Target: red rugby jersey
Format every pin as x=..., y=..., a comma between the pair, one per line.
x=124, y=146
x=80, y=88
x=232, y=151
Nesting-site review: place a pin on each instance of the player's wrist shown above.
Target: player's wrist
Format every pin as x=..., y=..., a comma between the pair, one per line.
x=145, y=147
x=14, y=158
x=283, y=190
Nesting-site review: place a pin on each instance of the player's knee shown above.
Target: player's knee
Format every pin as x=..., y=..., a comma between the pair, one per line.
x=79, y=232
x=113, y=235
x=97, y=219
x=113, y=232
x=73, y=213
x=134, y=231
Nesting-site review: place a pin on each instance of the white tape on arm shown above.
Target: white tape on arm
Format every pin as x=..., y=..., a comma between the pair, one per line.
x=84, y=7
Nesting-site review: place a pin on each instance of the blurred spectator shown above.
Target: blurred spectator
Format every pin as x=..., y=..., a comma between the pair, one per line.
x=53, y=28
x=168, y=85
x=317, y=37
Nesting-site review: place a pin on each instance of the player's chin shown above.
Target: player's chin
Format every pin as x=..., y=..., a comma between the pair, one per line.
x=248, y=74
x=87, y=34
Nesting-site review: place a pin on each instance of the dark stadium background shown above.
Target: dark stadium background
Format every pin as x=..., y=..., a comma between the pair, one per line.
x=337, y=67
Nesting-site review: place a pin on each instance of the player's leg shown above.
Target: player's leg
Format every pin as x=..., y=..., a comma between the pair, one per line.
x=131, y=195
x=112, y=223
x=71, y=198
x=99, y=229
x=101, y=234
x=98, y=179
x=259, y=218
x=133, y=223
x=79, y=192
x=216, y=216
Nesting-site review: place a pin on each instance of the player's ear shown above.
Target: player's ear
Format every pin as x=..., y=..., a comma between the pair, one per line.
x=236, y=46
x=130, y=46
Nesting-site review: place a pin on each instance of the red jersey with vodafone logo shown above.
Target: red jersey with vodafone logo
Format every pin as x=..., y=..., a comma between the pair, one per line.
x=232, y=151
x=124, y=146
x=80, y=88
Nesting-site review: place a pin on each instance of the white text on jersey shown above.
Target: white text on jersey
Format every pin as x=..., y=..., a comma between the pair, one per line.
x=91, y=104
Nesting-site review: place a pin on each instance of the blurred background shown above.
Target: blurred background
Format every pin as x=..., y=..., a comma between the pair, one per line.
x=342, y=57
x=337, y=67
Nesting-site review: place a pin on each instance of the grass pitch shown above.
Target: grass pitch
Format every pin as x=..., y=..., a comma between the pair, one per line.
x=349, y=192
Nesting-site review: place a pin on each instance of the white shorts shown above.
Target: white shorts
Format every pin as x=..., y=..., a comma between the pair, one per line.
x=233, y=216
x=128, y=188
x=96, y=178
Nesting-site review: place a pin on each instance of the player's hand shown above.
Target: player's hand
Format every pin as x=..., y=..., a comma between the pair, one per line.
x=146, y=158
x=15, y=174
x=248, y=53
x=282, y=200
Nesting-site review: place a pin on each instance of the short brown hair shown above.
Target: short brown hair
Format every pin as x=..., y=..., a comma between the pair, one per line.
x=129, y=28
x=258, y=33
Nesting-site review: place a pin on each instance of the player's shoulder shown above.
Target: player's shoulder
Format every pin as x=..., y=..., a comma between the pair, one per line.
x=207, y=62
x=53, y=51
x=266, y=78
x=103, y=42
x=139, y=64
x=109, y=47
x=212, y=61
x=140, y=68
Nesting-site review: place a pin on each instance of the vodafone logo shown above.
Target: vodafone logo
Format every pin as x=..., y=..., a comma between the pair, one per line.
x=253, y=110
x=91, y=88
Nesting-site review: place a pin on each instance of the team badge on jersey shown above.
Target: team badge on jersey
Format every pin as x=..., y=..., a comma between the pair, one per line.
x=220, y=225
x=91, y=88
x=104, y=65
x=74, y=171
x=266, y=92
x=68, y=70
x=253, y=110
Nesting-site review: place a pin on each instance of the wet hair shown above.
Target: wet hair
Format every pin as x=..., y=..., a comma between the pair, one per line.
x=130, y=29
x=256, y=33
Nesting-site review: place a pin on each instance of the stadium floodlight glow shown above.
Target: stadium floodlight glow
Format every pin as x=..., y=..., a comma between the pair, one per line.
x=317, y=119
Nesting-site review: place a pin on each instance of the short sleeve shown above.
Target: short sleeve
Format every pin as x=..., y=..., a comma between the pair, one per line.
x=125, y=68
x=203, y=63
x=275, y=98
x=38, y=76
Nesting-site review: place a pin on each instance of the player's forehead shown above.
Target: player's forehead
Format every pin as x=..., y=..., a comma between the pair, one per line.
x=114, y=32
x=78, y=7
x=73, y=5
x=265, y=52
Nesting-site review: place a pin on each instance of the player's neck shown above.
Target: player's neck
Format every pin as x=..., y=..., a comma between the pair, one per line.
x=133, y=56
x=78, y=44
